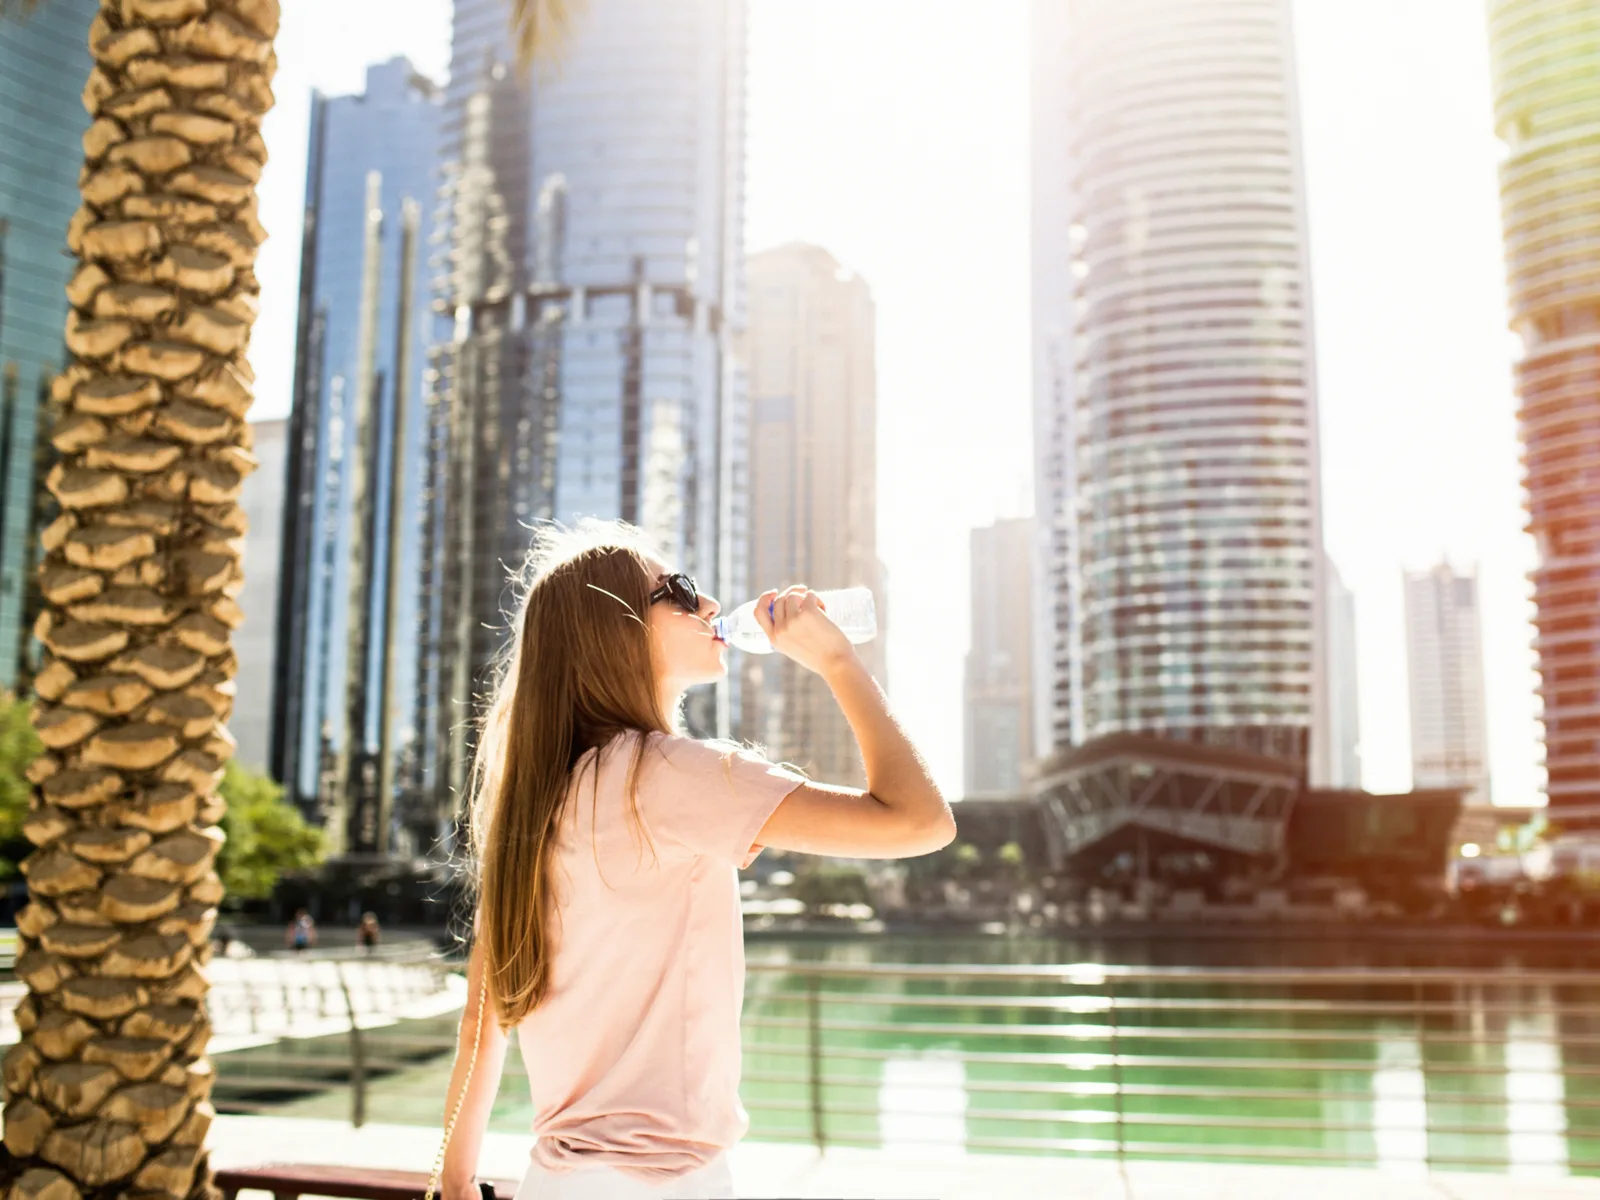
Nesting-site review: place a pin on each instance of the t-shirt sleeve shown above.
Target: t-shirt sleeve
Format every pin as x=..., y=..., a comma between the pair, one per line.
x=712, y=799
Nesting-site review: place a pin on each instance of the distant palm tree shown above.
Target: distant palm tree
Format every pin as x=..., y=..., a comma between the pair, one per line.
x=108, y=1089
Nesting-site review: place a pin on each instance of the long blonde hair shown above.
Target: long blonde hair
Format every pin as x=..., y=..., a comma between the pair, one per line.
x=576, y=672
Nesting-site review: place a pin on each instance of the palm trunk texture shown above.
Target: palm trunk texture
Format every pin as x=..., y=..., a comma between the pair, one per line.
x=107, y=1093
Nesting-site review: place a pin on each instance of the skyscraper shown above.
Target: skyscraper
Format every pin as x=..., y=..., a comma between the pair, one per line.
x=1174, y=379
x=346, y=655
x=1444, y=658
x=1545, y=56
x=1344, y=696
x=999, y=681
x=813, y=512
x=44, y=59
x=595, y=276
x=254, y=642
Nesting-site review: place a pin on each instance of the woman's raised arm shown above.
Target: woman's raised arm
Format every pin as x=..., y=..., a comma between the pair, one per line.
x=901, y=814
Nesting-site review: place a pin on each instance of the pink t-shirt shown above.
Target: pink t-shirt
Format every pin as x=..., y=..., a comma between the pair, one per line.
x=633, y=1056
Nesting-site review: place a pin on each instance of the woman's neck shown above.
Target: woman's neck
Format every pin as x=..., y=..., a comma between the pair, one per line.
x=671, y=701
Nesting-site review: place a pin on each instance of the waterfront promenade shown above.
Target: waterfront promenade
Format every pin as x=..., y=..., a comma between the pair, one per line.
x=764, y=1170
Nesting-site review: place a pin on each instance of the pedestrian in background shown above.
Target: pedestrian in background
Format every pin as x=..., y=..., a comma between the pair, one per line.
x=302, y=932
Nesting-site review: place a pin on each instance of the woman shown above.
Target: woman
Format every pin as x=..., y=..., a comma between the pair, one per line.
x=609, y=934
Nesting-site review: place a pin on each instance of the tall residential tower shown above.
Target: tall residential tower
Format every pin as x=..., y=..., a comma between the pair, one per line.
x=1343, y=684
x=999, y=676
x=812, y=486
x=1444, y=660
x=1176, y=424
x=1546, y=61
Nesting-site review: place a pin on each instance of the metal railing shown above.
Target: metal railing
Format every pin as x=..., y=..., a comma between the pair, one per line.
x=1433, y=1068
x=1437, y=1069
x=286, y=1027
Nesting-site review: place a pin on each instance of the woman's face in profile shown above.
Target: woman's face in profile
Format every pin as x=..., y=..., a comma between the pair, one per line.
x=687, y=651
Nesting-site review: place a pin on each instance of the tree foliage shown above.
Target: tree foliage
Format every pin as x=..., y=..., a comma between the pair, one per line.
x=267, y=837
x=831, y=883
x=19, y=745
x=543, y=28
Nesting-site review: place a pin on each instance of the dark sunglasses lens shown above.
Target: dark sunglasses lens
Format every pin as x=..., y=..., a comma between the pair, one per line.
x=685, y=593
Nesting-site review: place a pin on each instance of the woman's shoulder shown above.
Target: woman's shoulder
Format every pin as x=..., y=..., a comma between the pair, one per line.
x=681, y=749
x=679, y=752
x=656, y=746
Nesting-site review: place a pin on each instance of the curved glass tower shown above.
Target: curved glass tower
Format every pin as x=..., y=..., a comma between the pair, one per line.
x=1178, y=409
x=1546, y=61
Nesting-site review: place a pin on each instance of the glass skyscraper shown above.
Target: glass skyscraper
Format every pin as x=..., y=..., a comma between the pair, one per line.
x=44, y=61
x=1546, y=60
x=1175, y=382
x=594, y=275
x=365, y=325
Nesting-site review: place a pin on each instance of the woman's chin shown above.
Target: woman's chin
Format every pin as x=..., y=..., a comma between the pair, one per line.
x=707, y=675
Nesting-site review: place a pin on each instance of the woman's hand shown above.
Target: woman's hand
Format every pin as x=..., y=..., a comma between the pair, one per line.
x=798, y=626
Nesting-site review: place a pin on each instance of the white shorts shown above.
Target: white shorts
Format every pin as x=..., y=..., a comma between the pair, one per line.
x=714, y=1181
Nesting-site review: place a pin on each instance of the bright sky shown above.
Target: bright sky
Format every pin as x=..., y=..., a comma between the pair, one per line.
x=895, y=134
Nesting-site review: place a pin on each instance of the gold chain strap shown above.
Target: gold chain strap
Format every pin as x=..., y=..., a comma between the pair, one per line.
x=450, y=1125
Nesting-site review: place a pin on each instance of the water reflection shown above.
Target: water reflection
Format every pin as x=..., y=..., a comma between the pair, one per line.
x=1536, y=1113
x=922, y=1106
x=1486, y=1073
x=1400, y=1107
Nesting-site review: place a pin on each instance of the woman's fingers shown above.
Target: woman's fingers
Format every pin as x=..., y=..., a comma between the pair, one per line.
x=765, y=613
x=775, y=609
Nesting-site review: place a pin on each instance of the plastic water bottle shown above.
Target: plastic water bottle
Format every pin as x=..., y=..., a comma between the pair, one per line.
x=851, y=609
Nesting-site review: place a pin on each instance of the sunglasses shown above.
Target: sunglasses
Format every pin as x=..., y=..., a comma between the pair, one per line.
x=681, y=590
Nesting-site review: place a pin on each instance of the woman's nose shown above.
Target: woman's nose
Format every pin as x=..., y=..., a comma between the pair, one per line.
x=709, y=607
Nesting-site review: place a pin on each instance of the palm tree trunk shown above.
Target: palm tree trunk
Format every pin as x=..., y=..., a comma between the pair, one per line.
x=108, y=1089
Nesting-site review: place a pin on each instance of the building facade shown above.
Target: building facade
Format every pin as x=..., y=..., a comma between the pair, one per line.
x=1058, y=719
x=346, y=662
x=595, y=274
x=44, y=60
x=1545, y=56
x=1175, y=395
x=1444, y=660
x=1344, y=685
x=999, y=677
x=813, y=513
x=255, y=641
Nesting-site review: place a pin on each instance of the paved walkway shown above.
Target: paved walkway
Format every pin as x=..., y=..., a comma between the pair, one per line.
x=765, y=1170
